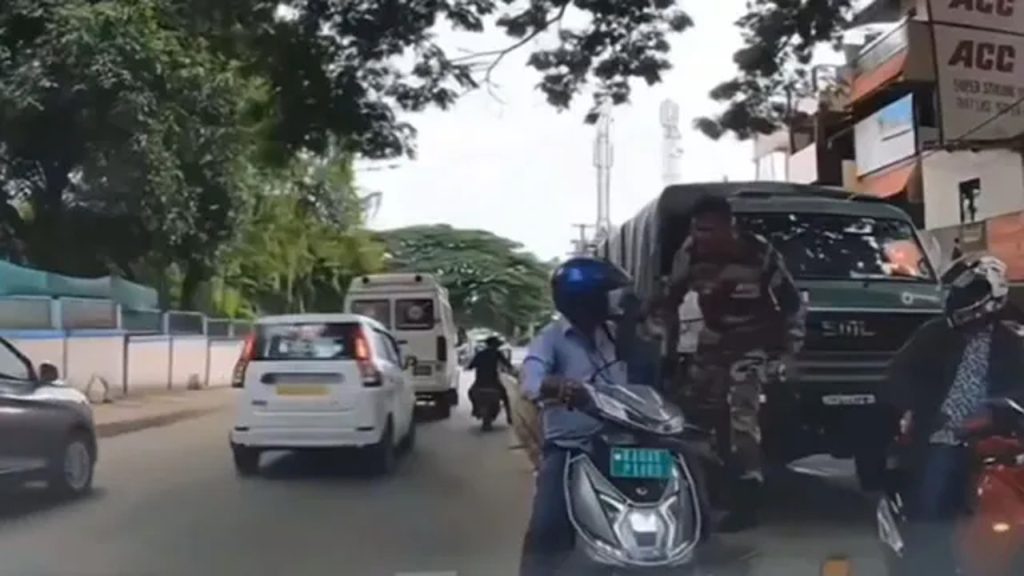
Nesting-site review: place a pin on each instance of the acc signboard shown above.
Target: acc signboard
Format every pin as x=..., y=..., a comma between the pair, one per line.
x=980, y=74
x=1000, y=15
x=885, y=137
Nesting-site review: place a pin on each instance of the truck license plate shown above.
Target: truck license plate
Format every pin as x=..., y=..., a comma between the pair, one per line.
x=848, y=399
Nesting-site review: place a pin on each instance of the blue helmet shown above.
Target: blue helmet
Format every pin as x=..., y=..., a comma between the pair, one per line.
x=588, y=291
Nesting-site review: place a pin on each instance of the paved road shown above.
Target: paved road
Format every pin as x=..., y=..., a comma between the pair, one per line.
x=168, y=502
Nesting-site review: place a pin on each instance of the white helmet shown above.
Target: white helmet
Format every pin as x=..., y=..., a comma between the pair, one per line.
x=977, y=289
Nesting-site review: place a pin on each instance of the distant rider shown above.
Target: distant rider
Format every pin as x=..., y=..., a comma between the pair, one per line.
x=753, y=315
x=487, y=363
x=573, y=349
x=939, y=381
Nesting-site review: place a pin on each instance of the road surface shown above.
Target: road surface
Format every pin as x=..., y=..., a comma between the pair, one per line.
x=168, y=502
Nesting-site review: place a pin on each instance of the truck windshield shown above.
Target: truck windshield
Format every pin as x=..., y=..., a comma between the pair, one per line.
x=841, y=247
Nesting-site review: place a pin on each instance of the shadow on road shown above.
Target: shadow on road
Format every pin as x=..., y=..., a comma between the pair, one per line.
x=32, y=501
x=798, y=498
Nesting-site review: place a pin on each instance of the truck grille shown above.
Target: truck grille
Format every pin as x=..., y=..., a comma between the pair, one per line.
x=854, y=347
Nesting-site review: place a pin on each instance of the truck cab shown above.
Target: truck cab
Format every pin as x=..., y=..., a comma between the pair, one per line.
x=867, y=285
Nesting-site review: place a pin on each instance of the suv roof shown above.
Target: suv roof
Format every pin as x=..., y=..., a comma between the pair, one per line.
x=325, y=318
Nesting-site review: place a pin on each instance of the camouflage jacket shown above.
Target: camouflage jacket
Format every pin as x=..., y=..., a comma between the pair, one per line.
x=747, y=301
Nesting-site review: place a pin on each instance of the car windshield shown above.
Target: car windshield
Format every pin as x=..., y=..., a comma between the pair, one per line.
x=841, y=247
x=306, y=341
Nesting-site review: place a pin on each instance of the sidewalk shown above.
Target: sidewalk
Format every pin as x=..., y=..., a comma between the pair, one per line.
x=133, y=413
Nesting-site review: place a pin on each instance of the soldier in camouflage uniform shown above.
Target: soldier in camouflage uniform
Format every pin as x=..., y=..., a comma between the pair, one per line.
x=753, y=316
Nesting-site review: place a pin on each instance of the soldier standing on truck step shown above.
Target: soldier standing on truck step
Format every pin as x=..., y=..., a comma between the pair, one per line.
x=753, y=316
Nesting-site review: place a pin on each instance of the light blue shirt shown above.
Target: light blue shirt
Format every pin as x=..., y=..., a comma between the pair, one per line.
x=559, y=349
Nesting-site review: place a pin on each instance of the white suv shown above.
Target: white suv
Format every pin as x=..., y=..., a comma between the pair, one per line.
x=322, y=381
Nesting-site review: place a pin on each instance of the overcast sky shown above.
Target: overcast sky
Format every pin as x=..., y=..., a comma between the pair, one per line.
x=524, y=171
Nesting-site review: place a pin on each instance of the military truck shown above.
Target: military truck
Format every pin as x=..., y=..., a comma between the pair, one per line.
x=867, y=284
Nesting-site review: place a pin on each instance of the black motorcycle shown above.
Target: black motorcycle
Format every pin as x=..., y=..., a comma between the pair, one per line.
x=486, y=405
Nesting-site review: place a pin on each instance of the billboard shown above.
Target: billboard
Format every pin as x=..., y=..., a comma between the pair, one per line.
x=980, y=74
x=885, y=137
x=998, y=15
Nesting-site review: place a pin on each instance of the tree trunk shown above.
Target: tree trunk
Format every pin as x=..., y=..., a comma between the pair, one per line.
x=190, y=285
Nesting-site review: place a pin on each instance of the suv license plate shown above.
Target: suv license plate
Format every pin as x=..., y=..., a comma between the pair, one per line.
x=848, y=399
x=641, y=463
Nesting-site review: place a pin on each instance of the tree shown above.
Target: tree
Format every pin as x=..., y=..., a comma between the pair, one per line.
x=492, y=282
x=120, y=139
x=774, y=64
x=342, y=69
x=301, y=243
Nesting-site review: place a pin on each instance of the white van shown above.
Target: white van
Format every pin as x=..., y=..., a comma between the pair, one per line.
x=415, y=308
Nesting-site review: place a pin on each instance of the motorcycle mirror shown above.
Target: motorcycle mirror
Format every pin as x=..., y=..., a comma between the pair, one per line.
x=1006, y=404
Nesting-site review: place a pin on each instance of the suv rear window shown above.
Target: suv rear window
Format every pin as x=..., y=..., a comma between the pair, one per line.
x=414, y=314
x=379, y=310
x=307, y=341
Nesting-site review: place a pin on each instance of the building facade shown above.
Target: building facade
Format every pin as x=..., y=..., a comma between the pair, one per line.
x=930, y=118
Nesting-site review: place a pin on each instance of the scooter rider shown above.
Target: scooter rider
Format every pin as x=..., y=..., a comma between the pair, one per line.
x=574, y=348
x=938, y=382
x=486, y=364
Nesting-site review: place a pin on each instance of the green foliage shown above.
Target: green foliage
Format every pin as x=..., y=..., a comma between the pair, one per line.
x=774, y=64
x=205, y=146
x=492, y=281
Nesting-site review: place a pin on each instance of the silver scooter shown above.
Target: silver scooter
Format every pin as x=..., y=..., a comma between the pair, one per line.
x=632, y=489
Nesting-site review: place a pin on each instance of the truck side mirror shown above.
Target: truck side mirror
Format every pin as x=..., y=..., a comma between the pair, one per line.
x=410, y=362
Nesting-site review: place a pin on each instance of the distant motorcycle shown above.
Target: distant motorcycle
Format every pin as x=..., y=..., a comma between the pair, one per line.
x=487, y=406
x=990, y=538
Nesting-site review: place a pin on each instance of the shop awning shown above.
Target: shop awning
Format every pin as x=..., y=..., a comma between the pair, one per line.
x=891, y=181
x=871, y=82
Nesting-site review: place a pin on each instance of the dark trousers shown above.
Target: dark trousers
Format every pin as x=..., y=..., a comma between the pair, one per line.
x=936, y=501
x=549, y=536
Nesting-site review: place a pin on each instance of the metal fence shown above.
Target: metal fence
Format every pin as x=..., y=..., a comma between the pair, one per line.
x=42, y=313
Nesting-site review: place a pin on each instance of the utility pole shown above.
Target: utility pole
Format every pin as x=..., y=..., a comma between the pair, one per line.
x=603, y=160
x=670, y=150
x=581, y=246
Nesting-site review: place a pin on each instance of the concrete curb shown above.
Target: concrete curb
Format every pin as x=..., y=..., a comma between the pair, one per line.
x=111, y=429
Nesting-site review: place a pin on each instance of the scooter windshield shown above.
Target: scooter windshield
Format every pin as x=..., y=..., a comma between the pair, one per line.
x=640, y=407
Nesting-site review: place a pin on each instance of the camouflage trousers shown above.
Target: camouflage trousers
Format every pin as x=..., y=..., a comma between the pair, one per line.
x=722, y=391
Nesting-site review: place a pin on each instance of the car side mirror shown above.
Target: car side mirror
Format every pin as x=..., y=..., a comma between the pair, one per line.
x=48, y=373
x=410, y=362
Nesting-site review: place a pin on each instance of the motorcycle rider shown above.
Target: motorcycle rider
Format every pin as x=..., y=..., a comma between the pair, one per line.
x=578, y=346
x=938, y=382
x=753, y=315
x=486, y=364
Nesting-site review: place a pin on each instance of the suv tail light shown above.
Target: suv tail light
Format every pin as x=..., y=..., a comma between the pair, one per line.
x=364, y=360
x=442, y=349
x=248, y=349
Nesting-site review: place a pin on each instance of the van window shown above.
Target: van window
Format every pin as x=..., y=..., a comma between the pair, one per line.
x=312, y=341
x=414, y=314
x=841, y=247
x=379, y=310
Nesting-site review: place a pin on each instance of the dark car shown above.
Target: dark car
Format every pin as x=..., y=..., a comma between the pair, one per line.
x=46, y=428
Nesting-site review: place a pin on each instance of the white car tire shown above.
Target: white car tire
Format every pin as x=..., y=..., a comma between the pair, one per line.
x=382, y=457
x=247, y=460
x=409, y=441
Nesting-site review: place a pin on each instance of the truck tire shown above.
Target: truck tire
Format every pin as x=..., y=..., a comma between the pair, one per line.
x=442, y=408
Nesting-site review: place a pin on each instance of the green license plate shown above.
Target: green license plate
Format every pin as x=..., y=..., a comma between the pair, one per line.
x=641, y=463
